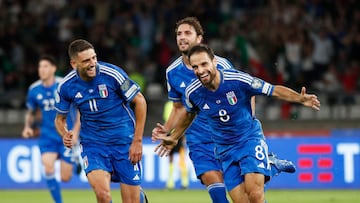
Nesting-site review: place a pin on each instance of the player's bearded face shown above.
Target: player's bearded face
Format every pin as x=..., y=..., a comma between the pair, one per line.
x=186, y=37
x=204, y=68
x=86, y=64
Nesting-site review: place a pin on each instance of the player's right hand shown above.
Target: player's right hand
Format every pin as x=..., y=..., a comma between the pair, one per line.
x=27, y=132
x=158, y=132
x=68, y=139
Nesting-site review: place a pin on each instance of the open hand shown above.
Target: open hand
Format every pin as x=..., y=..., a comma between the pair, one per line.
x=166, y=145
x=309, y=100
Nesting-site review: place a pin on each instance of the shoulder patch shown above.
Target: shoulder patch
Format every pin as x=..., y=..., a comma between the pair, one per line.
x=125, y=86
x=256, y=83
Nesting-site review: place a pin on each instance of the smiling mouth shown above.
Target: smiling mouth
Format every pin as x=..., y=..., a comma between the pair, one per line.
x=91, y=68
x=183, y=44
x=204, y=76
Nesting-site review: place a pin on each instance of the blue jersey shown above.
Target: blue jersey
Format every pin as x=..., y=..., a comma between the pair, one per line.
x=104, y=104
x=228, y=109
x=178, y=77
x=43, y=98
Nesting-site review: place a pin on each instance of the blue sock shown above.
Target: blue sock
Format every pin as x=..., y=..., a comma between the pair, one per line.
x=217, y=192
x=143, y=198
x=53, y=187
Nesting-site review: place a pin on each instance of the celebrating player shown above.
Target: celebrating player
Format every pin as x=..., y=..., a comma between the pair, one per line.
x=111, y=132
x=224, y=97
x=199, y=137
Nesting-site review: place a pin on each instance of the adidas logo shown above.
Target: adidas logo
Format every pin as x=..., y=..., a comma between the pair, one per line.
x=261, y=165
x=78, y=95
x=136, y=177
x=205, y=107
x=182, y=84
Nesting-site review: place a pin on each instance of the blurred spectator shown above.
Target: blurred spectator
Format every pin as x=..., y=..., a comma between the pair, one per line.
x=330, y=85
x=291, y=42
x=322, y=53
x=293, y=49
x=349, y=80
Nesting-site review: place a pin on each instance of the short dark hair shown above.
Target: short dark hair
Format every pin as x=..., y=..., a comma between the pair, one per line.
x=77, y=46
x=201, y=48
x=192, y=21
x=49, y=58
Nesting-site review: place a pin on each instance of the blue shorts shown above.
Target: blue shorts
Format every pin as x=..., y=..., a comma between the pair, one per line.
x=113, y=159
x=63, y=152
x=203, y=158
x=250, y=157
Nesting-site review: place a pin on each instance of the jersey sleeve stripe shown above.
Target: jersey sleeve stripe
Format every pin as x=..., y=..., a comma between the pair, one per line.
x=192, y=87
x=61, y=111
x=174, y=99
x=66, y=78
x=113, y=73
x=224, y=62
x=189, y=90
x=238, y=76
x=174, y=64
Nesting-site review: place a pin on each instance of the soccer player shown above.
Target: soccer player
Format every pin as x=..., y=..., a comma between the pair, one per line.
x=41, y=98
x=223, y=96
x=112, y=112
x=189, y=32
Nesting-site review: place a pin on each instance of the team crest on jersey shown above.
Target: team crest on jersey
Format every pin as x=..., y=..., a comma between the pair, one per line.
x=231, y=97
x=103, y=91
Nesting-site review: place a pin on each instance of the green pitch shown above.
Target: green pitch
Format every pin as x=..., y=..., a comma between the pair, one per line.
x=184, y=196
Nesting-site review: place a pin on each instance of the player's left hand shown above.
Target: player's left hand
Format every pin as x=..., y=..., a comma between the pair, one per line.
x=309, y=100
x=165, y=147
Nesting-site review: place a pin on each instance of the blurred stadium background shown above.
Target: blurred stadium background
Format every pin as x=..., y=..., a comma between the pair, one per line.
x=312, y=43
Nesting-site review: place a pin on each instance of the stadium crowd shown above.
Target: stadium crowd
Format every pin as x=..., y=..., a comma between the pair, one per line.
x=312, y=43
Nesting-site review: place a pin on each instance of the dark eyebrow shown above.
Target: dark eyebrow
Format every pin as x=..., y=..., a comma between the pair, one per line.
x=86, y=60
x=204, y=63
x=89, y=58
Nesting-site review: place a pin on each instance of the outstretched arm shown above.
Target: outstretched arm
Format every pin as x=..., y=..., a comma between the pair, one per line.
x=171, y=122
x=287, y=94
x=183, y=121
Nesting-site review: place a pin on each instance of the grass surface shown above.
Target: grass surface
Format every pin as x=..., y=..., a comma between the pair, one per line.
x=184, y=196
